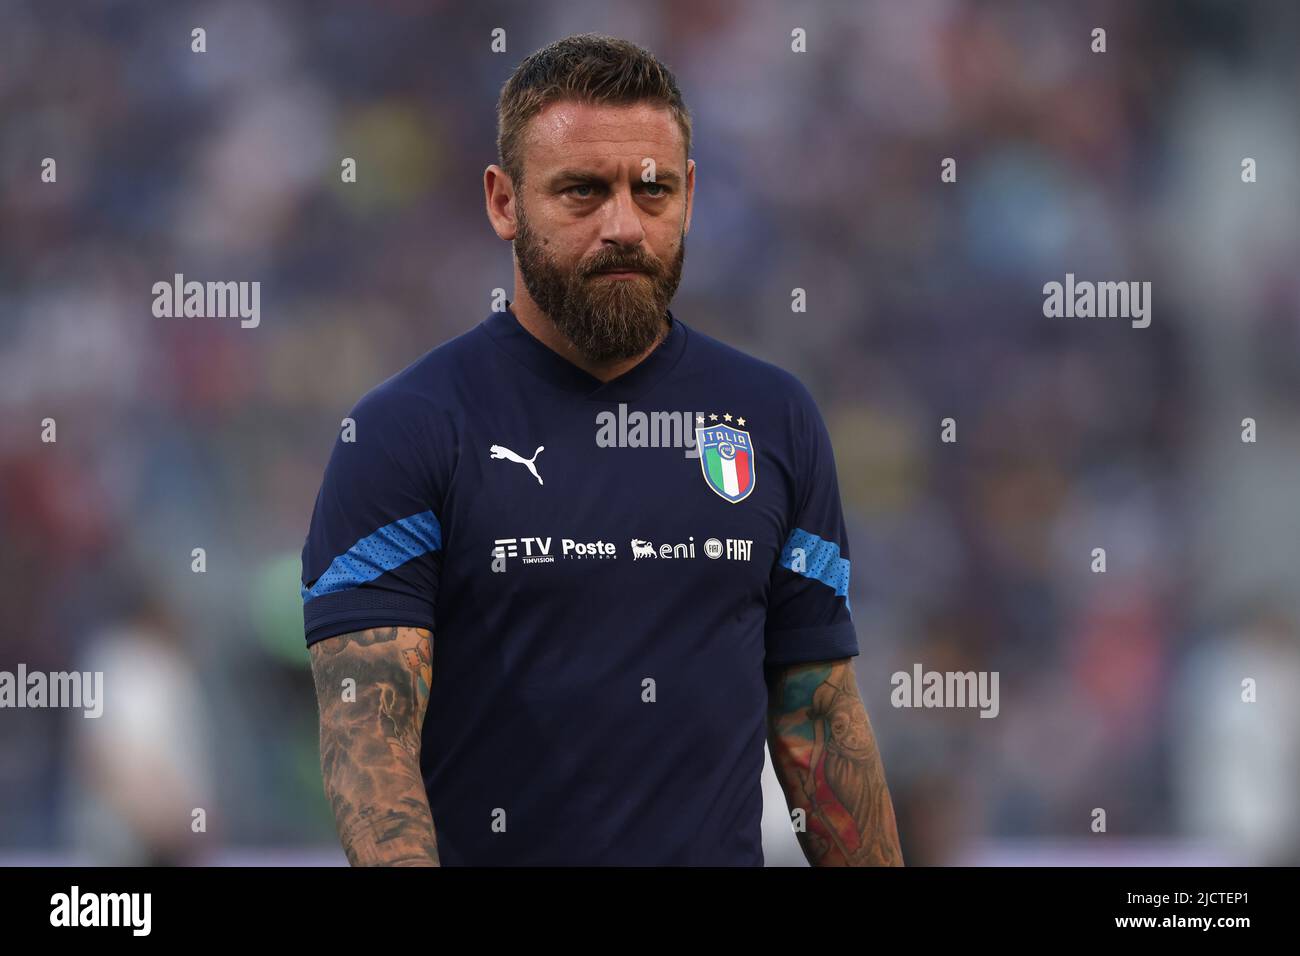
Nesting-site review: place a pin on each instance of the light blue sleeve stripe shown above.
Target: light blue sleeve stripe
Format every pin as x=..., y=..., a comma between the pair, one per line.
x=389, y=547
x=821, y=561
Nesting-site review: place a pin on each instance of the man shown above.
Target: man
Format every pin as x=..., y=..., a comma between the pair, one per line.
x=534, y=643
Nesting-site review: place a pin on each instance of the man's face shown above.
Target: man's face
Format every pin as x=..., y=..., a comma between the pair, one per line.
x=584, y=213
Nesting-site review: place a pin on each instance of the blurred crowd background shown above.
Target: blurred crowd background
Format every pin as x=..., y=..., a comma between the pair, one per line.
x=1119, y=690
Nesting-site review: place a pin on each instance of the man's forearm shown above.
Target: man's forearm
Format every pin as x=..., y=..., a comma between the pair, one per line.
x=370, y=743
x=825, y=756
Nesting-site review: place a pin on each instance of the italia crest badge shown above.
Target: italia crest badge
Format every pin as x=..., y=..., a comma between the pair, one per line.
x=726, y=456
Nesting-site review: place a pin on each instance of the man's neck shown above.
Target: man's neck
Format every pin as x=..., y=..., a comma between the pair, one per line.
x=540, y=327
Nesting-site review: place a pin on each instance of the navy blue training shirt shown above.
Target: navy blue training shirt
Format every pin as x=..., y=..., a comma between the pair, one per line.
x=605, y=568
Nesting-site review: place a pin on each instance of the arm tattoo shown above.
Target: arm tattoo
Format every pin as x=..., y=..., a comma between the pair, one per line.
x=370, y=746
x=825, y=755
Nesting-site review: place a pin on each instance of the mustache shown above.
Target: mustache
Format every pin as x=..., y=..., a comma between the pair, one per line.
x=610, y=264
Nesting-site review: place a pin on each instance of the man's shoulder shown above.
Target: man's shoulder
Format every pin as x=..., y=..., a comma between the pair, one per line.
x=733, y=365
x=430, y=382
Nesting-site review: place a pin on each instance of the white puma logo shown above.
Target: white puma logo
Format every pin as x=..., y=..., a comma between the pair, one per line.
x=500, y=451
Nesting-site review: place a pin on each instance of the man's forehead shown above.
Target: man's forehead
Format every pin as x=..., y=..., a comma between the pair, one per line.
x=569, y=131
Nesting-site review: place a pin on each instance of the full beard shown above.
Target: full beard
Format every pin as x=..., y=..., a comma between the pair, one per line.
x=605, y=319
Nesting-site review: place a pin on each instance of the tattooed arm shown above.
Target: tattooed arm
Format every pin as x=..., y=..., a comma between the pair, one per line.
x=370, y=746
x=825, y=756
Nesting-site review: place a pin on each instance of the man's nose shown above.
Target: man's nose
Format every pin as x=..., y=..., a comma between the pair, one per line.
x=622, y=224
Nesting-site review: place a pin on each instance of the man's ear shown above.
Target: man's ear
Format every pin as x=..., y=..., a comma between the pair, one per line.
x=690, y=194
x=499, y=198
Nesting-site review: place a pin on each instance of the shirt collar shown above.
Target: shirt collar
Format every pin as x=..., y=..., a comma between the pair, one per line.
x=505, y=330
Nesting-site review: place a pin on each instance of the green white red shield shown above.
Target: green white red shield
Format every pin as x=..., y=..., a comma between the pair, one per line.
x=727, y=460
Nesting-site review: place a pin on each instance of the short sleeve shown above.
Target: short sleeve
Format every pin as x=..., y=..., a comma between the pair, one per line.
x=809, y=616
x=373, y=552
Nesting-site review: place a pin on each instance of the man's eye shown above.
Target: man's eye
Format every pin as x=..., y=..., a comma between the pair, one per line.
x=659, y=186
x=581, y=186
